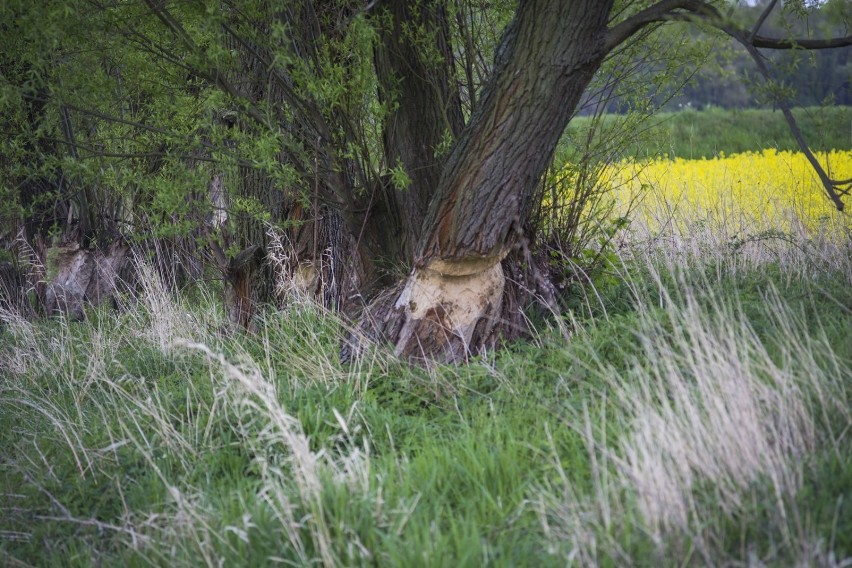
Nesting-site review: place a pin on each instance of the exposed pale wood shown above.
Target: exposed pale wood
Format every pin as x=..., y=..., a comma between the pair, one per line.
x=453, y=299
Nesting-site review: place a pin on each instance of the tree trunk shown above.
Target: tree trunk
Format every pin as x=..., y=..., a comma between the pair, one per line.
x=82, y=277
x=450, y=305
x=425, y=113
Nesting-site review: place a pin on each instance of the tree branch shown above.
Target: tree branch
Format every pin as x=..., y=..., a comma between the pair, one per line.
x=762, y=19
x=213, y=75
x=829, y=185
x=802, y=43
x=662, y=11
x=334, y=190
x=697, y=10
x=700, y=11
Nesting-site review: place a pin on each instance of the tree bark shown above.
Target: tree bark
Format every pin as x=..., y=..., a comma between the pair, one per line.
x=425, y=112
x=451, y=303
x=83, y=277
x=311, y=226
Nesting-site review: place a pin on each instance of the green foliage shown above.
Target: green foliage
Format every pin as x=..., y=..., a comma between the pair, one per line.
x=399, y=177
x=695, y=134
x=119, y=116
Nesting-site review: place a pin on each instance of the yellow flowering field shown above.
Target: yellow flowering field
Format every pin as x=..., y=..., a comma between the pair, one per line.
x=749, y=192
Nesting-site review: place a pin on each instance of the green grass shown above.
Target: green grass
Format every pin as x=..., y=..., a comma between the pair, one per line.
x=695, y=134
x=122, y=447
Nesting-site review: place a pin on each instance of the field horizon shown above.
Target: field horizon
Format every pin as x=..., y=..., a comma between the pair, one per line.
x=695, y=134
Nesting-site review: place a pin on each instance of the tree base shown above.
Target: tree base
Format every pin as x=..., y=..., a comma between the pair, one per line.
x=82, y=277
x=436, y=316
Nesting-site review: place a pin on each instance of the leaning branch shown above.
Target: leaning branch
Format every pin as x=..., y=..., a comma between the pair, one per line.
x=692, y=10
x=662, y=11
x=751, y=42
x=700, y=11
x=833, y=188
x=762, y=19
x=809, y=44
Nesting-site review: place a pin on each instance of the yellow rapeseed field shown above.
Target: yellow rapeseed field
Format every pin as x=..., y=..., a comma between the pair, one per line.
x=750, y=192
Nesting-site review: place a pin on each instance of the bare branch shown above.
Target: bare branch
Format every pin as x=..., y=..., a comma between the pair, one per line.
x=829, y=185
x=662, y=11
x=696, y=10
x=809, y=44
x=699, y=11
x=762, y=19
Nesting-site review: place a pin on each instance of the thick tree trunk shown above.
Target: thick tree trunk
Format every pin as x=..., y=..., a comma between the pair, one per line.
x=82, y=277
x=425, y=113
x=452, y=301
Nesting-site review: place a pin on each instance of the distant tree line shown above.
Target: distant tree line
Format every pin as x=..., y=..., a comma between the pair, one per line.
x=727, y=79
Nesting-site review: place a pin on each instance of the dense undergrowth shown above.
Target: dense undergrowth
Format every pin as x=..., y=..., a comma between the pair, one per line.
x=692, y=408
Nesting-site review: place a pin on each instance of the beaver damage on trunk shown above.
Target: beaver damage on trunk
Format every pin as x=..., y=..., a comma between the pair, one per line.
x=445, y=314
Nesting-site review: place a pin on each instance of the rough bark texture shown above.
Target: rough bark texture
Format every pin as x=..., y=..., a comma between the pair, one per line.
x=82, y=277
x=544, y=63
x=452, y=300
x=239, y=276
x=425, y=112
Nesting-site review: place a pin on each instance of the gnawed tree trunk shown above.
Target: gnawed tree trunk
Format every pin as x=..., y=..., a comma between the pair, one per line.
x=452, y=301
x=80, y=277
x=65, y=278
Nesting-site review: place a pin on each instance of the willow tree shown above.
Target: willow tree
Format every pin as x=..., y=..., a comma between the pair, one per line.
x=468, y=186
x=390, y=142
x=452, y=301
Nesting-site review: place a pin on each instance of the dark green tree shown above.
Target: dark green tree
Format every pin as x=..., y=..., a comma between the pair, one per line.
x=399, y=158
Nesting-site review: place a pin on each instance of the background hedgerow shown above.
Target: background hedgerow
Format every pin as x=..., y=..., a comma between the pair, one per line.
x=693, y=134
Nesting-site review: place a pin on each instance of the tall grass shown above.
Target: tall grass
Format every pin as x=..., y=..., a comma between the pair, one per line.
x=718, y=423
x=702, y=417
